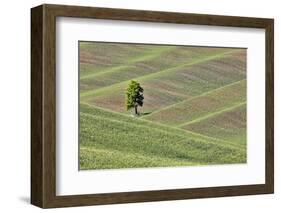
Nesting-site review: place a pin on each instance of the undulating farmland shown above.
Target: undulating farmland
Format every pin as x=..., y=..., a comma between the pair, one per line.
x=194, y=110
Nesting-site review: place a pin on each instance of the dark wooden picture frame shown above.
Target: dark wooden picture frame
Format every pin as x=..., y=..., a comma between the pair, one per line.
x=43, y=105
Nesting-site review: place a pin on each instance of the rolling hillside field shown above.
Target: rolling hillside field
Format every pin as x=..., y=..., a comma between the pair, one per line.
x=194, y=110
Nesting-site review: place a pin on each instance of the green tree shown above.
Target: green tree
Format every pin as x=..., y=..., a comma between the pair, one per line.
x=134, y=96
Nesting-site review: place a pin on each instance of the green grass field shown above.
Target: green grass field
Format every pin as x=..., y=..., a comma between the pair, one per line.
x=194, y=109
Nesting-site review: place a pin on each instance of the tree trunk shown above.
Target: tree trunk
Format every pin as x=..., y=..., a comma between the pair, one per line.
x=136, y=110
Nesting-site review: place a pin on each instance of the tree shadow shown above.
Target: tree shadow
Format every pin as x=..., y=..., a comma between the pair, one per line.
x=145, y=113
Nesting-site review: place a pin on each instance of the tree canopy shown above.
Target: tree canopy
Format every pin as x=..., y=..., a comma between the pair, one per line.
x=134, y=96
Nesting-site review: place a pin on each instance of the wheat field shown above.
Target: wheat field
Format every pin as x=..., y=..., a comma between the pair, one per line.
x=194, y=110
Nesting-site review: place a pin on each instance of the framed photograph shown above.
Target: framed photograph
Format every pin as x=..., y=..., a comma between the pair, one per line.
x=136, y=106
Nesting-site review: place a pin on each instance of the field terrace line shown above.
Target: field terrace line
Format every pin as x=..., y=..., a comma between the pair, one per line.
x=206, y=138
x=212, y=114
x=154, y=54
x=96, y=92
x=194, y=97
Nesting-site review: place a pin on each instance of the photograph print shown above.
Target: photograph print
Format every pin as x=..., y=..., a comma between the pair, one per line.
x=157, y=105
